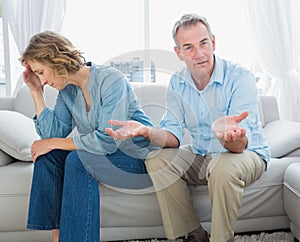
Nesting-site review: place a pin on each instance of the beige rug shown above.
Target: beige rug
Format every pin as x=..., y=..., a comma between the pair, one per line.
x=262, y=237
x=266, y=237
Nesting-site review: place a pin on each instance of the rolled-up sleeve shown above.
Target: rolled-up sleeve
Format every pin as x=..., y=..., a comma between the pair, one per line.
x=54, y=123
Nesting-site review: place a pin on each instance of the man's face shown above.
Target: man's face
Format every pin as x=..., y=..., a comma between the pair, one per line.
x=195, y=48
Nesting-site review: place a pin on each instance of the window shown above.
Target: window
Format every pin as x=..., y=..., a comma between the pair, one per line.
x=120, y=31
x=226, y=18
x=137, y=33
x=104, y=30
x=2, y=73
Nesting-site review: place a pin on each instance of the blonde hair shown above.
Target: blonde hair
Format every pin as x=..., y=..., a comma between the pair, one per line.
x=55, y=51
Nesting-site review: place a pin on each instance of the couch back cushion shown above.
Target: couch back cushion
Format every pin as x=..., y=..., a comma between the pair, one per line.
x=152, y=99
x=24, y=104
x=269, y=109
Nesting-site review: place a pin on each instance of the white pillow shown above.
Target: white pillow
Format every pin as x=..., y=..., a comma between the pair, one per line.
x=5, y=159
x=283, y=137
x=17, y=133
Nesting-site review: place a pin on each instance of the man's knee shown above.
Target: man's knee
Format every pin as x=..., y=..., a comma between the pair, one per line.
x=225, y=170
x=158, y=159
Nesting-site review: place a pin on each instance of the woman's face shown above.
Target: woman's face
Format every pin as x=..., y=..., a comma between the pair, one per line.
x=47, y=75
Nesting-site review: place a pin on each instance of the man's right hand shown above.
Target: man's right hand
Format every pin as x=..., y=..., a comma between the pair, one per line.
x=128, y=129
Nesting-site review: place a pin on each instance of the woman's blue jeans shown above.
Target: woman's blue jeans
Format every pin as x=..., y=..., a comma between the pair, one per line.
x=65, y=196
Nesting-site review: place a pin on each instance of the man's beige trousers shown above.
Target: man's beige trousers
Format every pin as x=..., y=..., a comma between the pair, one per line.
x=171, y=170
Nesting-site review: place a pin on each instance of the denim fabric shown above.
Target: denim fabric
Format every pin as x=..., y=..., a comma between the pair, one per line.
x=80, y=219
x=117, y=169
x=65, y=196
x=46, y=191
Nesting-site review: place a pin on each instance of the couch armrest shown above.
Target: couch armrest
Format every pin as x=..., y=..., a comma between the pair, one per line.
x=283, y=137
x=7, y=103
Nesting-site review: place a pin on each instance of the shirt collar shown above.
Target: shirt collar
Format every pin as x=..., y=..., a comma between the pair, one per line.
x=217, y=75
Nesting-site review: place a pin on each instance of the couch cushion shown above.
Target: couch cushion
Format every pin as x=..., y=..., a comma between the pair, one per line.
x=283, y=137
x=292, y=180
x=292, y=196
x=17, y=134
x=24, y=103
x=263, y=198
x=294, y=153
x=269, y=109
x=5, y=159
x=152, y=99
x=14, y=193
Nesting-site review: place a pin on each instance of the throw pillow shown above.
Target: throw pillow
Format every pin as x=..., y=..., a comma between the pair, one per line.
x=283, y=137
x=5, y=159
x=17, y=133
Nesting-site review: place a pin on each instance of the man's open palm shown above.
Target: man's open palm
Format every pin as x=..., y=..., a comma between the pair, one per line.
x=227, y=128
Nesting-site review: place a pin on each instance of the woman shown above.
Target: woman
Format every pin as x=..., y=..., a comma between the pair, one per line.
x=65, y=194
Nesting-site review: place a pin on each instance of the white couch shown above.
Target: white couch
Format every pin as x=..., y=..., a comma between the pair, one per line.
x=134, y=214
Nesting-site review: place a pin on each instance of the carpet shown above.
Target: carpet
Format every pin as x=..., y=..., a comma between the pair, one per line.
x=261, y=237
x=266, y=237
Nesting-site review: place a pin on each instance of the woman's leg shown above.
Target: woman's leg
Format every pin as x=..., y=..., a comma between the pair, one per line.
x=46, y=191
x=80, y=213
x=80, y=218
x=118, y=169
x=55, y=235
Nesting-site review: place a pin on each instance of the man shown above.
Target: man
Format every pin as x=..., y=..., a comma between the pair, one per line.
x=217, y=102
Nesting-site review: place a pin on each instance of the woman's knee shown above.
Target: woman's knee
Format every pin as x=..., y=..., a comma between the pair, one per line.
x=55, y=158
x=73, y=162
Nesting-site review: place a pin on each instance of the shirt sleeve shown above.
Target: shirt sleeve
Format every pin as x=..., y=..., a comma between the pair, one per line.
x=173, y=119
x=56, y=122
x=245, y=98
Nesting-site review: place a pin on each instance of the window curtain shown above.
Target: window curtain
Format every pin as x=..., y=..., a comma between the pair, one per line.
x=27, y=17
x=276, y=35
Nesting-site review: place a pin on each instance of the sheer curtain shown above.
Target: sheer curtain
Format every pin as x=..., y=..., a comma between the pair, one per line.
x=27, y=17
x=276, y=36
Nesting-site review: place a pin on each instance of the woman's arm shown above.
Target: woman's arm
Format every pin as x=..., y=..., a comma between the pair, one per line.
x=43, y=146
x=130, y=129
x=54, y=123
x=36, y=89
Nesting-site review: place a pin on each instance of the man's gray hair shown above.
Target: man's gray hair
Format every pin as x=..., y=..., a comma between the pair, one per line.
x=188, y=20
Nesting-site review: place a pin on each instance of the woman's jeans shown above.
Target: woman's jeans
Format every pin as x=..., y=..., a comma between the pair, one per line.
x=65, y=196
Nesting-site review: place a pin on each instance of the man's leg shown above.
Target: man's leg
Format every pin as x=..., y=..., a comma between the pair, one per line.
x=228, y=175
x=170, y=170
